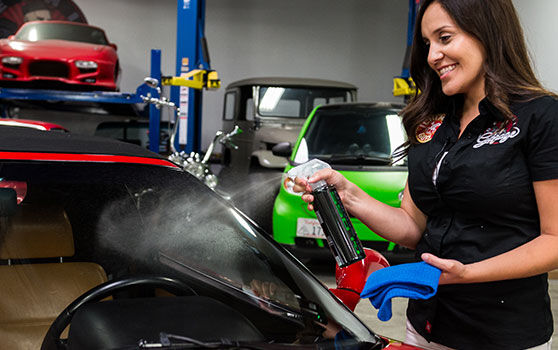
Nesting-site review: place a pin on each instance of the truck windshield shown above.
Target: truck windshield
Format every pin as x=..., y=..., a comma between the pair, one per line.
x=297, y=102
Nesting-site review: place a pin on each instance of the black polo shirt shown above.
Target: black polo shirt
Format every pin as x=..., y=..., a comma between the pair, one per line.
x=482, y=204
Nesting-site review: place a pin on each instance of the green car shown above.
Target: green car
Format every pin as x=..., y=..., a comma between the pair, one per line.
x=358, y=140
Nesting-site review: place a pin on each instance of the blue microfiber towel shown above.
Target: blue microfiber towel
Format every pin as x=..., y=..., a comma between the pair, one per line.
x=413, y=281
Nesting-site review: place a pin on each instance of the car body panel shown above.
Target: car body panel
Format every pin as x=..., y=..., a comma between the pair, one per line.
x=383, y=182
x=52, y=62
x=34, y=124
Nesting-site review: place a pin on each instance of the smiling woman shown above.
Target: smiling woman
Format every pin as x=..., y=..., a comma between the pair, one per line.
x=457, y=56
x=483, y=177
x=493, y=143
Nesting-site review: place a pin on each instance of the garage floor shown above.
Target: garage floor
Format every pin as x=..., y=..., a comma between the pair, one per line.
x=395, y=327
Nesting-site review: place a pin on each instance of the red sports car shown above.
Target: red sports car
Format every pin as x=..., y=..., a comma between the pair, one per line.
x=59, y=55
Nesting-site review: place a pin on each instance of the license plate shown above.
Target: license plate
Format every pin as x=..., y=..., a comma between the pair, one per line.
x=309, y=228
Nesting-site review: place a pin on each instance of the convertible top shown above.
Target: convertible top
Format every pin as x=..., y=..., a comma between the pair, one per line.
x=17, y=139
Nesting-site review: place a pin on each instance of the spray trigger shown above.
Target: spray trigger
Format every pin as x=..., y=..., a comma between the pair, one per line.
x=305, y=171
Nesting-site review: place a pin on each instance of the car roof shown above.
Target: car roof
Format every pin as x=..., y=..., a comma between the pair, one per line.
x=288, y=81
x=61, y=22
x=363, y=105
x=31, y=144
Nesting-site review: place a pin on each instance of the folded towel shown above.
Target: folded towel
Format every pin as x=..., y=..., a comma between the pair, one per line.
x=413, y=281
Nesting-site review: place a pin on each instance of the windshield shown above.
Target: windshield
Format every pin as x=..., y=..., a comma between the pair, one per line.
x=134, y=219
x=297, y=102
x=349, y=134
x=62, y=31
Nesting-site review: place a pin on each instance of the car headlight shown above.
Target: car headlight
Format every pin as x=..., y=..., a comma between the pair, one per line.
x=12, y=60
x=86, y=64
x=288, y=185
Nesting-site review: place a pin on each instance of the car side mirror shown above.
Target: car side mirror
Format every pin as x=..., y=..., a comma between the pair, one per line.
x=114, y=46
x=282, y=149
x=8, y=201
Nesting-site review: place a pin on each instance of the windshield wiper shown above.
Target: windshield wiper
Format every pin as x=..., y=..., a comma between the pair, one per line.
x=356, y=159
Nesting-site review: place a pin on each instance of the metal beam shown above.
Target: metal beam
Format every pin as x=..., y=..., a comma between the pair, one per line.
x=189, y=56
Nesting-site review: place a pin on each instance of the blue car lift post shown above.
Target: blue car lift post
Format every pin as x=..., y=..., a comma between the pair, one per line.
x=192, y=69
x=191, y=54
x=403, y=85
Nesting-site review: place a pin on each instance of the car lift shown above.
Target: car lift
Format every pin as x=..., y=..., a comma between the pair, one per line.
x=186, y=88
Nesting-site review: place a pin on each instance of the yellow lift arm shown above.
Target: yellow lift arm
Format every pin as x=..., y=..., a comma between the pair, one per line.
x=196, y=79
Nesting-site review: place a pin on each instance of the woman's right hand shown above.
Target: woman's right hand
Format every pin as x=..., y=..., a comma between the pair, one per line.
x=330, y=176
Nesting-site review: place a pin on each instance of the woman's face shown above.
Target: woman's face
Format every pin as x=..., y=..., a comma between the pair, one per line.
x=453, y=54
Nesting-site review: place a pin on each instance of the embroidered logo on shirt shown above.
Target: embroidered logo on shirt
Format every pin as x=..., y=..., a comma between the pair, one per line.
x=426, y=130
x=497, y=134
x=428, y=327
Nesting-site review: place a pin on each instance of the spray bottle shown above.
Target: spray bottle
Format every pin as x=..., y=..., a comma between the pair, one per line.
x=334, y=220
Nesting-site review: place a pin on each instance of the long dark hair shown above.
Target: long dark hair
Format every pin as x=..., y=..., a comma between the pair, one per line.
x=508, y=73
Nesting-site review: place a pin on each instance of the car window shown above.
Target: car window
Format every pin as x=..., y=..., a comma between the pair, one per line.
x=275, y=101
x=62, y=31
x=358, y=132
x=136, y=219
x=230, y=99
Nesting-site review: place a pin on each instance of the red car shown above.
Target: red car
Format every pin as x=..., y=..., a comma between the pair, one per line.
x=59, y=55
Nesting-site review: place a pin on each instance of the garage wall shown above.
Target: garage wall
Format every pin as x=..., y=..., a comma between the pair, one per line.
x=538, y=18
x=358, y=41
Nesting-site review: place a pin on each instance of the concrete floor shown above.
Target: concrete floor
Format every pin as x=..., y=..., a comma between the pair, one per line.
x=395, y=327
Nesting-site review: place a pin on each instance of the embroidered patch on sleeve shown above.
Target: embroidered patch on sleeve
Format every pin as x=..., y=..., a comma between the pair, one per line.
x=426, y=130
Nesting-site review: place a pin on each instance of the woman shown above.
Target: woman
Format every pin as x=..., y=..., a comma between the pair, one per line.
x=483, y=178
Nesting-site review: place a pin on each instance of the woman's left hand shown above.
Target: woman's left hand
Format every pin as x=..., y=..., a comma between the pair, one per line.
x=453, y=271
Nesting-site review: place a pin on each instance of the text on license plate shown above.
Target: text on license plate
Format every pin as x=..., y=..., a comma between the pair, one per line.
x=309, y=228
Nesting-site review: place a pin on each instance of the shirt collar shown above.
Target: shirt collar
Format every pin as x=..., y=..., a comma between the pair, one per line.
x=487, y=108
x=488, y=113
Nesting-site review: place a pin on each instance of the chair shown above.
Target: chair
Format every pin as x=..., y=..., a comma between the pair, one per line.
x=35, y=283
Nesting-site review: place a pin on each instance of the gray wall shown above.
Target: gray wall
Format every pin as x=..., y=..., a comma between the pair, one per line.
x=358, y=41
x=539, y=21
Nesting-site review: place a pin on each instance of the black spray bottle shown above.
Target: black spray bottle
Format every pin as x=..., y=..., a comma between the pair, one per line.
x=334, y=219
